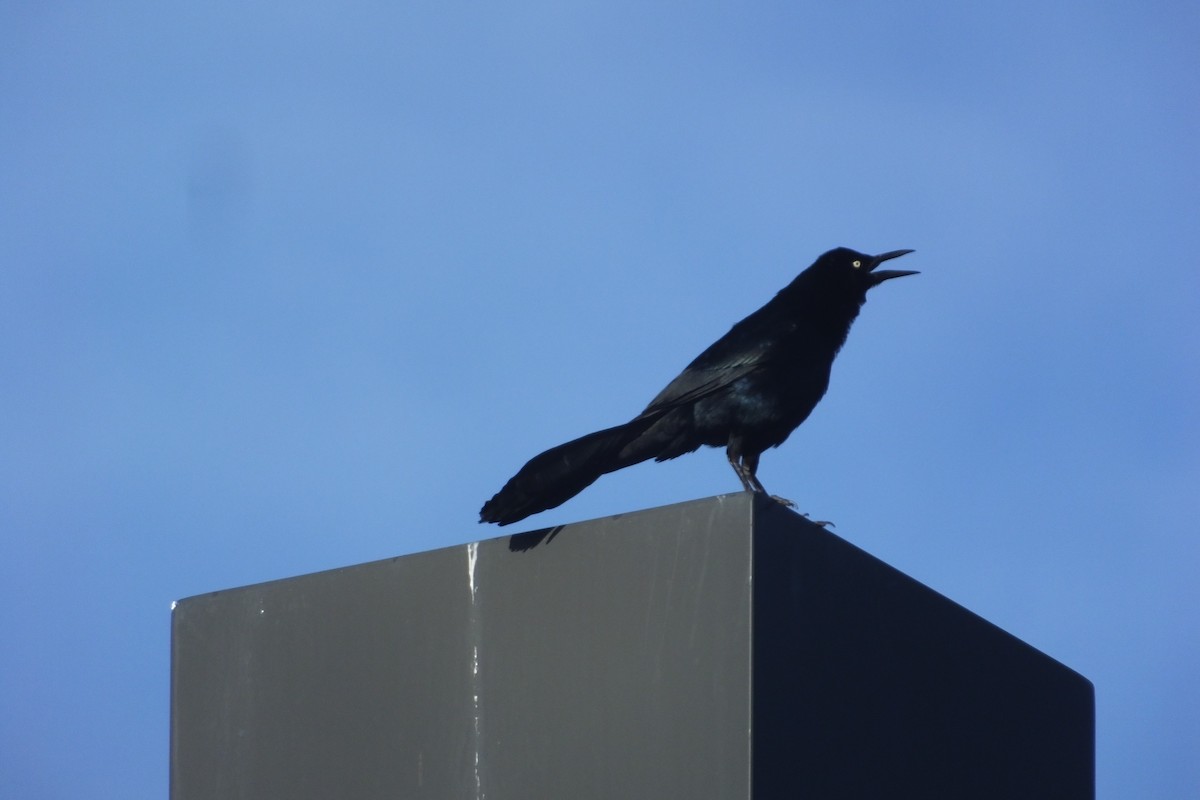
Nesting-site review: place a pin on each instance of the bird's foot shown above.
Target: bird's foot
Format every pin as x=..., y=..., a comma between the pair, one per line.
x=783, y=501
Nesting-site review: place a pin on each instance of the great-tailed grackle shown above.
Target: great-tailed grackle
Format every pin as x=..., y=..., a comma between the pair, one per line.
x=746, y=392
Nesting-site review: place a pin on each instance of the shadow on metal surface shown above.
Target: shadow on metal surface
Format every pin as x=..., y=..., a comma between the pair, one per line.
x=520, y=542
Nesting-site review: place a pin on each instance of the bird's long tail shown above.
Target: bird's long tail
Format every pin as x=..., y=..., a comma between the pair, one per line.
x=555, y=476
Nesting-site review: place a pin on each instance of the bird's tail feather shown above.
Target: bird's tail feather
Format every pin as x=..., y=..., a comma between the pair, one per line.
x=555, y=476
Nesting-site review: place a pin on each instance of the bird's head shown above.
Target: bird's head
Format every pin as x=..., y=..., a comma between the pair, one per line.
x=860, y=268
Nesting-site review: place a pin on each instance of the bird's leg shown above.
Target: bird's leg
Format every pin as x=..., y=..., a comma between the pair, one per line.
x=750, y=465
x=746, y=467
x=743, y=470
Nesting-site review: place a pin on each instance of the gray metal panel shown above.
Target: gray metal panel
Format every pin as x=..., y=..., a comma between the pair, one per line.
x=610, y=661
x=353, y=683
x=617, y=658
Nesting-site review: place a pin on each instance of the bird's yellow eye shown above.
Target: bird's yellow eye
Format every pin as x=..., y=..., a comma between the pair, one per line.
x=856, y=264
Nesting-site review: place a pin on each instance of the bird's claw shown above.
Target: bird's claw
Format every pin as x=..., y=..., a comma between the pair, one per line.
x=783, y=501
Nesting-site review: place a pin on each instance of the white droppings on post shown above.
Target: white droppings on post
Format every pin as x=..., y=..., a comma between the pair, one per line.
x=472, y=555
x=475, y=633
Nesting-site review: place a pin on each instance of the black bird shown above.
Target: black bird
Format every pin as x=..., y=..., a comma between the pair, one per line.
x=746, y=392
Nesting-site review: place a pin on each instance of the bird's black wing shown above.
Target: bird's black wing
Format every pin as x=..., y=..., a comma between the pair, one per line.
x=696, y=383
x=747, y=348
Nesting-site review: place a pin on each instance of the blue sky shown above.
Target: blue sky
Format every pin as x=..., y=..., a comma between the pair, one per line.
x=292, y=286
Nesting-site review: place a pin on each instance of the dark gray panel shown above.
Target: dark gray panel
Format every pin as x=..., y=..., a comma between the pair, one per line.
x=869, y=684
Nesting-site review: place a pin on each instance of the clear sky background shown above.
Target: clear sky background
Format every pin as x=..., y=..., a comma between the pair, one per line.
x=293, y=286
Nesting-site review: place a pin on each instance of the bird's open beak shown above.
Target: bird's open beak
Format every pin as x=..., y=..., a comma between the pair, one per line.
x=887, y=274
